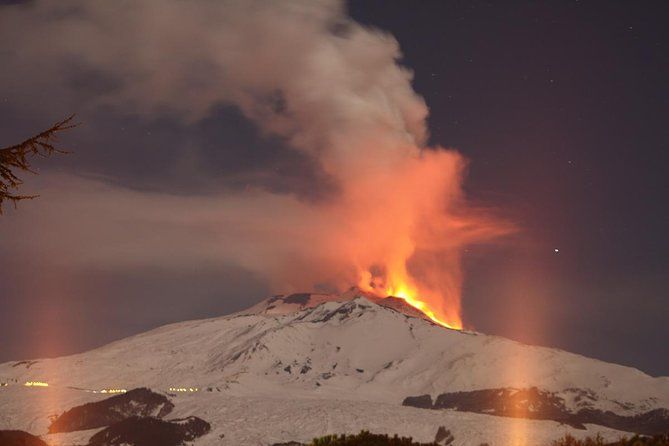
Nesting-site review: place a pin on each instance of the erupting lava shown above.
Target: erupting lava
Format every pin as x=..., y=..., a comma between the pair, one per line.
x=410, y=294
x=412, y=247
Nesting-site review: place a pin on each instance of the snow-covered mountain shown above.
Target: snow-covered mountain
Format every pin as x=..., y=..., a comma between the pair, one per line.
x=351, y=361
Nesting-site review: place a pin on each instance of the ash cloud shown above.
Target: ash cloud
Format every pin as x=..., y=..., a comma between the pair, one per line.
x=302, y=72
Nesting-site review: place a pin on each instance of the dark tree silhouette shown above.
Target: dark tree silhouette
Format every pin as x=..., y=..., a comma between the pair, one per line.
x=17, y=158
x=637, y=440
x=365, y=438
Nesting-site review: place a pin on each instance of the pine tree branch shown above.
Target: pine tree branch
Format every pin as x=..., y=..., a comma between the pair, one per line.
x=17, y=158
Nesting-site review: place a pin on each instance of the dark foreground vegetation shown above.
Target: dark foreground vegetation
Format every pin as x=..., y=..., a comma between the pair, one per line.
x=444, y=437
x=367, y=438
x=16, y=158
x=658, y=440
x=155, y=432
x=19, y=438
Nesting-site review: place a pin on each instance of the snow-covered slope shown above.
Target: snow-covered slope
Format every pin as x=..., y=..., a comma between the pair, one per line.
x=321, y=348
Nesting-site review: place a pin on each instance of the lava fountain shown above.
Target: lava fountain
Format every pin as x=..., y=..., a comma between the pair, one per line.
x=408, y=243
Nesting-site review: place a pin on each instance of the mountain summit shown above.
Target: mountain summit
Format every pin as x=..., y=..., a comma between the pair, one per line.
x=285, y=304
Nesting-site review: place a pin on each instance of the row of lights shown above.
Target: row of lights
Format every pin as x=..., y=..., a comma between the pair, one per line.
x=110, y=391
x=45, y=384
x=183, y=389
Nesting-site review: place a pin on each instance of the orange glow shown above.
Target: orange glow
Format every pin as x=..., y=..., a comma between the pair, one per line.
x=455, y=323
x=397, y=226
x=409, y=294
x=411, y=224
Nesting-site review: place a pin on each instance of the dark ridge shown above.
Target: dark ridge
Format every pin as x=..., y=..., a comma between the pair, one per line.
x=274, y=298
x=344, y=310
x=28, y=364
x=151, y=432
x=517, y=403
x=537, y=404
x=135, y=403
x=421, y=401
x=19, y=438
x=297, y=298
x=654, y=422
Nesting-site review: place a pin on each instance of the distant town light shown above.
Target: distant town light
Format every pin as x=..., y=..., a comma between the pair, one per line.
x=183, y=389
x=112, y=391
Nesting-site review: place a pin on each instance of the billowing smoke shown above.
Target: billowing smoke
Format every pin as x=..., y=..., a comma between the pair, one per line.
x=305, y=72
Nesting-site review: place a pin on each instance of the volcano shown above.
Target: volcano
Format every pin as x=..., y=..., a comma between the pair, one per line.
x=302, y=365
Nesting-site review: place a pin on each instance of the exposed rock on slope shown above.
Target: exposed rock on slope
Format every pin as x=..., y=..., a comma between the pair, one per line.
x=19, y=438
x=135, y=403
x=151, y=432
x=541, y=405
x=291, y=303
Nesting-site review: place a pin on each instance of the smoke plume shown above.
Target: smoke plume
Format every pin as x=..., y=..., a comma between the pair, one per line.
x=303, y=71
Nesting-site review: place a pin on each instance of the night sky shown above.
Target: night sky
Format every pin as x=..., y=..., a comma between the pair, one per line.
x=561, y=109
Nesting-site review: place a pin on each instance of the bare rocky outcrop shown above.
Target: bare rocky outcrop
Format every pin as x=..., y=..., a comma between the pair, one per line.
x=19, y=438
x=150, y=431
x=534, y=403
x=140, y=402
x=421, y=401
